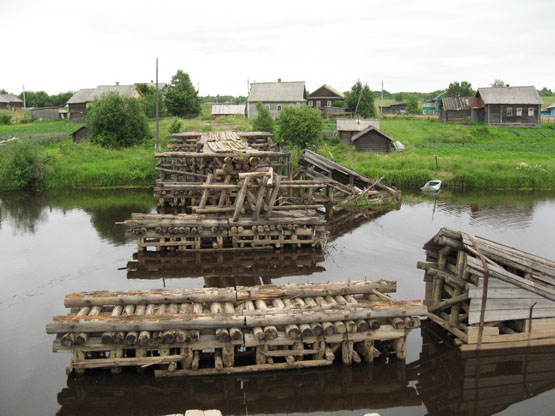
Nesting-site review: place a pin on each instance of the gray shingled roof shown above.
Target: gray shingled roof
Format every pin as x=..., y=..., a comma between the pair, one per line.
x=455, y=103
x=352, y=124
x=366, y=130
x=224, y=109
x=277, y=92
x=331, y=89
x=510, y=95
x=551, y=106
x=88, y=95
x=10, y=98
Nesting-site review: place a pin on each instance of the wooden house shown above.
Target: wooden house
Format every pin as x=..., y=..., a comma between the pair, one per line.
x=222, y=110
x=395, y=108
x=275, y=96
x=549, y=110
x=510, y=106
x=455, y=109
x=347, y=128
x=82, y=99
x=324, y=99
x=10, y=102
x=433, y=106
x=81, y=135
x=372, y=140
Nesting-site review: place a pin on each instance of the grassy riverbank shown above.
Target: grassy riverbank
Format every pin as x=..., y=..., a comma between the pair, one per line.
x=469, y=156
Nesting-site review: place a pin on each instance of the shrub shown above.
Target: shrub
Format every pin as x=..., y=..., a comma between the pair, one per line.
x=181, y=97
x=115, y=121
x=26, y=120
x=20, y=167
x=263, y=121
x=175, y=126
x=300, y=127
x=5, y=119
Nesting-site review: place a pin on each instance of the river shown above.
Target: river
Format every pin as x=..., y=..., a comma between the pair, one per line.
x=55, y=243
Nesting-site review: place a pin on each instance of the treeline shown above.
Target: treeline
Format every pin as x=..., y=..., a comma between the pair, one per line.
x=42, y=99
x=223, y=99
x=404, y=95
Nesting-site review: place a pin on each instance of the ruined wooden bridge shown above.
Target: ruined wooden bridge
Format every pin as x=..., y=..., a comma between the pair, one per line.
x=234, y=330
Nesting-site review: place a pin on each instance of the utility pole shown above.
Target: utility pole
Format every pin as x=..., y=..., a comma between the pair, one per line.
x=157, y=120
x=24, y=106
x=381, y=107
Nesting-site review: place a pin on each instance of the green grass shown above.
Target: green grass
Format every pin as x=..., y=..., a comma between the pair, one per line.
x=40, y=127
x=469, y=156
x=547, y=101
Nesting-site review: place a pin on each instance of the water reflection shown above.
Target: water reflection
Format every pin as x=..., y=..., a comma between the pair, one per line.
x=24, y=211
x=442, y=380
x=246, y=268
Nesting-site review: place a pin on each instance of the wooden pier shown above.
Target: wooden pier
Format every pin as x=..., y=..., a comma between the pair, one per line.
x=487, y=295
x=234, y=330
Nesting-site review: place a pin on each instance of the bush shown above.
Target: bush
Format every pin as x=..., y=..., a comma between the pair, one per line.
x=263, y=121
x=115, y=121
x=175, y=126
x=26, y=120
x=300, y=127
x=5, y=119
x=20, y=167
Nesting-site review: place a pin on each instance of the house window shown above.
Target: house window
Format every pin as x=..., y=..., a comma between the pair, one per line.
x=279, y=107
x=267, y=107
x=509, y=111
x=519, y=112
x=530, y=111
x=318, y=104
x=328, y=104
x=309, y=103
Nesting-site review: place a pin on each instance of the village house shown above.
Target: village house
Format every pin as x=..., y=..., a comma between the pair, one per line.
x=222, y=110
x=433, y=106
x=395, y=108
x=455, y=109
x=366, y=136
x=509, y=106
x=82, y=99
x=324, y=99
x=548, y=111
x=275, y=96
x=10, y=102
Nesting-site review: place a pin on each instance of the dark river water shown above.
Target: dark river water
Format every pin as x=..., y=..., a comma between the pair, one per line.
x=56, y=243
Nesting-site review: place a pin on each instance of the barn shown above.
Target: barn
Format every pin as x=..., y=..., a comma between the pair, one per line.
x=455, y=109
x=511, y=106
x=82, y=99
x=347, y=128
x=275, y=96
x=372, y=140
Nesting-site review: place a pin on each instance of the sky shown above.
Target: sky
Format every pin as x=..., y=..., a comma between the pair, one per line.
x=62, y=45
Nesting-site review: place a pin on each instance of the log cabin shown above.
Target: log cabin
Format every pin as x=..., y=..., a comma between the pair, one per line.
x=10, y=102
x=510, y=106
x=275, y=96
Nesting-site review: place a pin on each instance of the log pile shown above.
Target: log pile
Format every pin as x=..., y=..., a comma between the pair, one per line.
x=487, y=295
x=225, y=331
x=223, y=269
x=191, y=141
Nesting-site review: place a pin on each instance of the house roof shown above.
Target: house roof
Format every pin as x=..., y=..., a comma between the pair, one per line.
x=10, y=98
x=277, y=92
x=509, y=95
x=225, y=109
x=352, y=124
x=475, y=102
x=369, y=129
x=161, y=85
x=455, y=103
x=551, y=106
x=79, y=129
x=321, y=93
x=393, y=105
x=88, y=95
x=439, y=96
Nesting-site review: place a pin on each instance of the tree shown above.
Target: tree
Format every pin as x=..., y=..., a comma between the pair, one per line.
x=263, y=121
x=545, y=92
x=149, y=100
x=464, y=89
x=181, y=98
x=497, y=83
x=300, y=127
x=360, y=100
x=20, y=167
x=413, y=105
x=115, y=121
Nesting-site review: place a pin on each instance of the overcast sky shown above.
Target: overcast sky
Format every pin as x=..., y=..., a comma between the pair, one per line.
x=63, y=45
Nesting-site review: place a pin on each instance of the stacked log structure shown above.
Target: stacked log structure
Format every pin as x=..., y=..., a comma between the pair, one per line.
x=234, y=330
x=488, y=295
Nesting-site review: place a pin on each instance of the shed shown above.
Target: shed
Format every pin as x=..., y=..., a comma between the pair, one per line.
x=347, y=128
x=275, y=96
x=46, y=113
x=395, y=108
x=81, y=135
x=511, y=106
x=10, y=102
x=82, y=99
x=372, y=140
x=227, y=109
x=455, y=109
